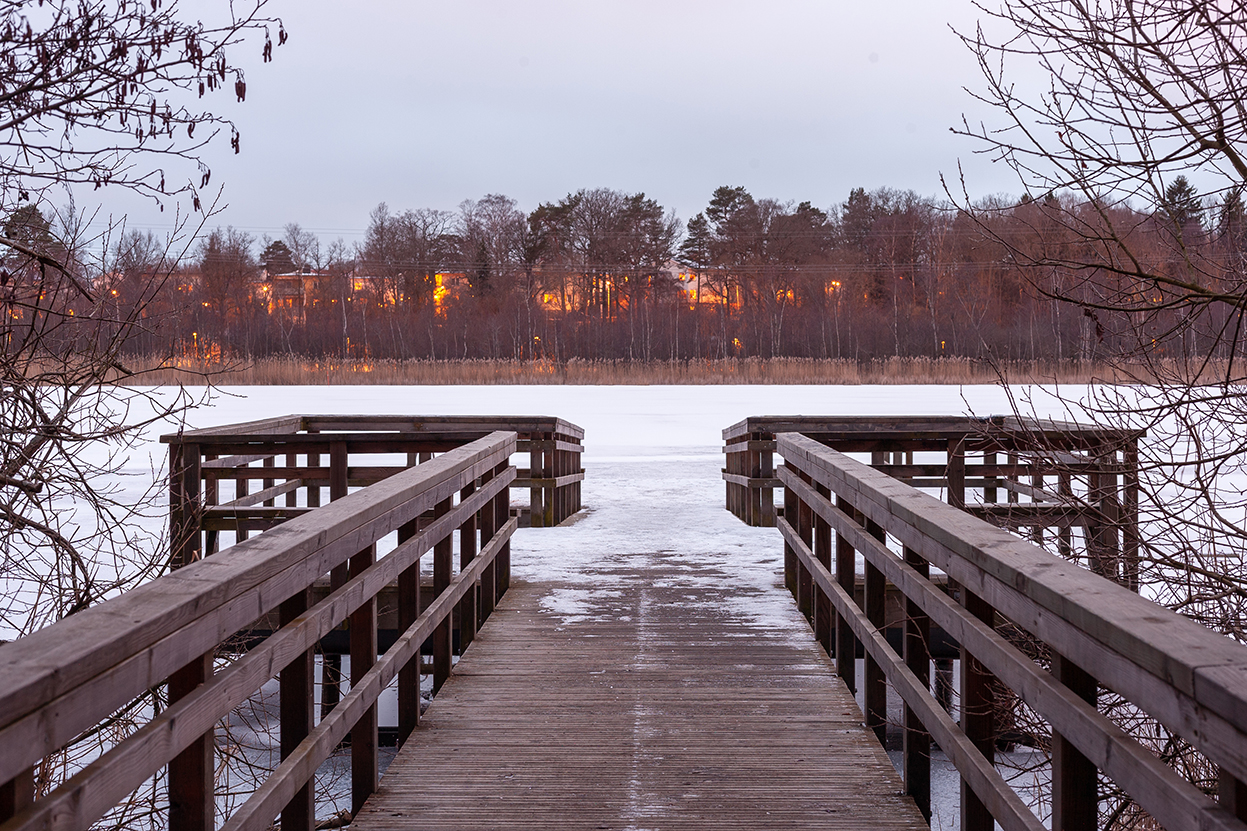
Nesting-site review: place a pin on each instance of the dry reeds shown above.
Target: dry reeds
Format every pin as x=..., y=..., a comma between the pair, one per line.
x=290, y=370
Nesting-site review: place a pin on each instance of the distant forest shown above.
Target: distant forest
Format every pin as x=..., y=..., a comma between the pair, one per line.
x=602, y=274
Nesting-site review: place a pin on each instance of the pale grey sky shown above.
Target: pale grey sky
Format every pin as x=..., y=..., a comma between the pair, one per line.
x=425, y=104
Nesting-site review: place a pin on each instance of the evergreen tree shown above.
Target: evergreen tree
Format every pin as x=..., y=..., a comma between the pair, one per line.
x=1232, y=218
x=694, y=251
x=1180, y=206
x=277, y=258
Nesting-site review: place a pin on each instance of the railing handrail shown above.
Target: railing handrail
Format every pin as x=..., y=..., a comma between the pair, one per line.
x=64, y=678
x=1188, y=677
x=926, y=426
x=297, y=423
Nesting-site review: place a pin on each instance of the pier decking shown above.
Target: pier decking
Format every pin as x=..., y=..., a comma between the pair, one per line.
x=661, y=707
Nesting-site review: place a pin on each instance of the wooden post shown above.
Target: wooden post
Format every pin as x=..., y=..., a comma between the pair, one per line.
x=1012, y=495
x=549, y=469
x=269, y=461
x=313, y=490
x=1130, y=517
x=443, y=552
x=331, y=664
x=1037, y=481
x=990, y=495
x=489, y=582
x=338, y=487
x=977, y=709
x=242, y=487
x=295, y=682
x=211, y=496
x=192, y=801
x=467, y=552
x=502, y=512
x=753, y=514
x=1075, y=797
x=917, y=654
x=363, y=623
x=957, y=473
x=1064, y=534
x=1102, y=540
x=408, y=612
x=184, y=511
x=557, y=467
x=876, y=684
x=766, y=494
x=846, y=576
x=790, y=556
x=536, y=470
x=292, y=497
x=577, y=457
x=17, y=793
x=1231, y=793
x=192, y=798
x=824, y=626
x=805, y=580
x=566, y=468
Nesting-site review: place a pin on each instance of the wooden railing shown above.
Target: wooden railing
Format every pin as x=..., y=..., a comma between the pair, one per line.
x=307, y=453
x=1098, y=635
x=1047, y=477
x=68, y=677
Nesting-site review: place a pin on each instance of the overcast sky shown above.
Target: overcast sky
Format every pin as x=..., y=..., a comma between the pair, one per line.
x=425, y=104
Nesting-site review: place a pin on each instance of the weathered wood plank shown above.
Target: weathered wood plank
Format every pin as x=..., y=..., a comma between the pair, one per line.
x=663, y=712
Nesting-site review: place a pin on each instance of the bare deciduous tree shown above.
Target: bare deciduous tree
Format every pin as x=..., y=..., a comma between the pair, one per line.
x=97, y=98
x=1111, y=113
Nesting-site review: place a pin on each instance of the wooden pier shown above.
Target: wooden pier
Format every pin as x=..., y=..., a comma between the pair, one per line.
x=647, y=679
x=662, y=710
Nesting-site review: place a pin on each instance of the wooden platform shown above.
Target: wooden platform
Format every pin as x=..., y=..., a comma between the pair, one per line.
x=659, y=702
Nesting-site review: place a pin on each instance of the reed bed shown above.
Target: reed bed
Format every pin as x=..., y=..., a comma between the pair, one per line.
x=290, y=370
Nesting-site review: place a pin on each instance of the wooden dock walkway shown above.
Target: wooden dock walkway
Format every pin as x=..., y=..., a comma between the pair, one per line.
x=647, y=668
x=666, y=700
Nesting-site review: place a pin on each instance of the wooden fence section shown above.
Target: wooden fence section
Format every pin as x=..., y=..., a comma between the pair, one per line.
x=1054, y=477
x=308, y=453
x=1097, y=634
x=76, y=673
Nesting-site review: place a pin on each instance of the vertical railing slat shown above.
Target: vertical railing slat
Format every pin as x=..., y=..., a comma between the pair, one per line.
x=296, y=703
x=846, y=576
x=977, y=716
x=1075, y=795
x=824, y=624
x=874, y=598
x=191, y=773
x=408, y=612
x=468, y=621
x=917, y=655
x=17, y=793
x=192, y=801
x=487, y=519
x=443, y=565
x=363, y=624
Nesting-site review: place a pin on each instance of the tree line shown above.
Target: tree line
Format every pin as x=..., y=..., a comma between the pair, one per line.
x=603, y=274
